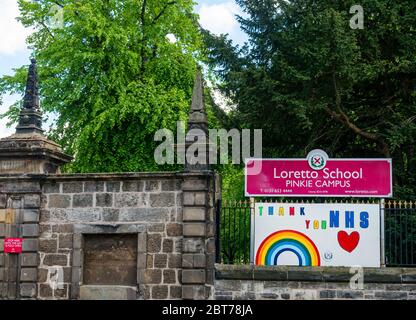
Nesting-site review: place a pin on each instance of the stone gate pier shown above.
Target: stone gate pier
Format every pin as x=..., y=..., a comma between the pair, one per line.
x=102, y=236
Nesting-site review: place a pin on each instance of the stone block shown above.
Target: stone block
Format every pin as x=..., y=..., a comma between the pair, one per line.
x=65, y=241
x=175, y=261
x=142, y=242
x=28, y=290
x=144, y=214
x=28, y=274
x=30, y=216
x=156, y=227
x=169, y=276
x=133, y=186
x=141, y=261
x=152, y=186
x=30, y=230
x=167, y=245
x=174, y=229
x=175, y=292
x=391, y=295
x=193, y=260
x=160, y=260
x=45, y=291
x=55, y=260
x=126, y=200
x=194, y=213
x=159, y=292
x=152, y=276
x=48, y=245
x=51, y=187
x=110, y=215
x=193, y=184
x=194, y=229
x=30, y=245
x=1, y=259
x=103, y=199
x=31, y=201
x=194, y=198
x=72, y=187
x=112, y=186
x=158, y=200
x=193, y=276
x=154, y=243
x=102, y=292
x=349, y=294
x=82, y=200
x=193, y=245
x=94, y=186
x=2, y=230
x=59, y=201
x=193, y=292
x=29, y=259
x=63, y=228
x=3, y=201
x=327, y=294
x=171, y=185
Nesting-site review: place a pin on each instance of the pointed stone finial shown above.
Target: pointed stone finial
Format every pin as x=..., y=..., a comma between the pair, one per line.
x=197, y=115
x=30, y=119
x=31, y=99
x=197, y=140
x=198, y=93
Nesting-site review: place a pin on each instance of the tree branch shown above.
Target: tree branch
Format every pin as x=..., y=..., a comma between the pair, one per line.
x=343, y=118
x=163, y=11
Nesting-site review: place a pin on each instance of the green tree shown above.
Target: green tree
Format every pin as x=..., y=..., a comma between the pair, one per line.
x=111, y=76
x=310, y=81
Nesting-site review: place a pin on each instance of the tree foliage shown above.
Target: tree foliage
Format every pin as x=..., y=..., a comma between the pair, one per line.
x=310, y=81
x=110, y=76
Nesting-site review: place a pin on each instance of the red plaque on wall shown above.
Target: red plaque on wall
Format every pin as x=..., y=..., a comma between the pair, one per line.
x=13, y=245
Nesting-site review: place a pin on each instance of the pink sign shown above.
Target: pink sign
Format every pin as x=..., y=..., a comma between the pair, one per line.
x=13, y=245
x=319, y=177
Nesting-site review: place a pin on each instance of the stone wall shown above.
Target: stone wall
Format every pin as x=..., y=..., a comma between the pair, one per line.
x=172, y=215
x=20, y=201
x=318, y=283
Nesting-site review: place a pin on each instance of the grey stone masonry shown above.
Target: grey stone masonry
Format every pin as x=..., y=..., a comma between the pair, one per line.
x=149, y=205
x=199, y=194
x=53, y=214
x=248, y=282
x=20, y=202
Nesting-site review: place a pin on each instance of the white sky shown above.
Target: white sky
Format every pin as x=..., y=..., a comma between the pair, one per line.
x=218, y=16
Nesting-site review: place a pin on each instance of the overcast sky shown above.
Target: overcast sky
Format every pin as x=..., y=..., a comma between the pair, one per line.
x=218, y=16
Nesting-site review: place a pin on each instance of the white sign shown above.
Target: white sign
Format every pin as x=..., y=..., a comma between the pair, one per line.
x=317, y=234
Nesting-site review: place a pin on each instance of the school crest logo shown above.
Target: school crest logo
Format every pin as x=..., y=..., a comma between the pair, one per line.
x=317, y=159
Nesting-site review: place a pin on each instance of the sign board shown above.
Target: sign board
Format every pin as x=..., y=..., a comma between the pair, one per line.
x=317, y=234
x=13, y=245
x=319, y=176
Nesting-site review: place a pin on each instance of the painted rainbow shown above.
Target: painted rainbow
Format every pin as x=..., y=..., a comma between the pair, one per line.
x=288, y=240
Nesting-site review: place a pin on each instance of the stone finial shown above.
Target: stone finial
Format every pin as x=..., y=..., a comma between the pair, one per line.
x=198, y=93
x=29, y=150
x=197, y=137
x=30, y=119
x=31, y=99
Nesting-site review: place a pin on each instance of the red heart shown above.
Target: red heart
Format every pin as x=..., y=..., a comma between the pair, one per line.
x=348, y=242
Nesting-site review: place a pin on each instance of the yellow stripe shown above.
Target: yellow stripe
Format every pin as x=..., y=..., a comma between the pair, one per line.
x=290, y=236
